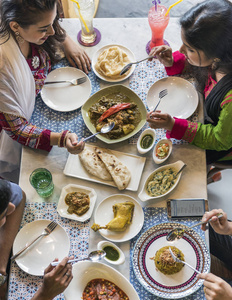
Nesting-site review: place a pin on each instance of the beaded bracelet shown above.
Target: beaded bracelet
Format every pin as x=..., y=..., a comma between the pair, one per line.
x=62, y=138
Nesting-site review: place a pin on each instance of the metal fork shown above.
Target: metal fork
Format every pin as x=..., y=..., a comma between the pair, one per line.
x=72, y=81
x=51, y=226
x=181, y=261
x=162, y=94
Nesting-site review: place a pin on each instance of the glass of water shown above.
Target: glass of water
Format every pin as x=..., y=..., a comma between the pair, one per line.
x=41, y=180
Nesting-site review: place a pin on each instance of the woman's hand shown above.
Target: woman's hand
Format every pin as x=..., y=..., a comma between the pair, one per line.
x=215, y=288
x=221, y=226
x=56, y=279
x=158, y=120
x=72, y=144
x=163, y=54
x=76, y=55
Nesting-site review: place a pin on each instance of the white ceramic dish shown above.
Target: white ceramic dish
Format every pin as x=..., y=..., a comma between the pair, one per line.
x=65, y=96
x=181, y=284
x=181, y=100
x=157, y=159
x=102, y=244
x=148, y=131
x=35, y=260
x=85, y=271
x=143, y=195
x=62, y=207
x=104, y=214
x=130, y=55
x=134, y=163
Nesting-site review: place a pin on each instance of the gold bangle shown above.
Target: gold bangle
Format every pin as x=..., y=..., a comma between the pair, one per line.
x=58, y=143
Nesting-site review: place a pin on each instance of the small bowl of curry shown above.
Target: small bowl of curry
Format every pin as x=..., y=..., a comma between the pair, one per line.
x=76, y=202
x=114, y=254
x=146, y=140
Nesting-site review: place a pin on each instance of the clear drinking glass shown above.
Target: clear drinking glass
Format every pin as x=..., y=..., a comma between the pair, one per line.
x=87, y=9
x=158, y=23
x=41, y=180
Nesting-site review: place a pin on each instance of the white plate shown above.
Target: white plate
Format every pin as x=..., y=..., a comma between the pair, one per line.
x=130, y=55
x=144, y=196
x=178, y=285
x=35, y=260
x=104, y=214
x=65, y=96
x=181, y=100
x=134, y=163
x=62, y=207
x=85, y=271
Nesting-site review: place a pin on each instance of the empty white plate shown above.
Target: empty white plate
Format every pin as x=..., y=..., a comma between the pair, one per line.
x=65, y=96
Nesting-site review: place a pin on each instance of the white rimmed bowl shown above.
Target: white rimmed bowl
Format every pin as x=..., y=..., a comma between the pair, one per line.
x=148, y=131
x=143, y=195
x=120, y=260
x=62, y=207
x=158, y=160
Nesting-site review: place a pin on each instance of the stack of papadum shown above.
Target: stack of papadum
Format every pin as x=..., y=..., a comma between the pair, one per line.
x=111, y=61
x=104, y=165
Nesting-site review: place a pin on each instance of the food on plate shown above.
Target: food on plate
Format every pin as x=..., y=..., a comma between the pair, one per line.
x=117, y=108
x=164, y=261
x=111, y=61
x=123, y=214
x=78, y=203
x=103, y=289
x=111, y=253
x=162, y=150
x=119, y=172
x=161, y=182
x=146, y=141
x=93, y=164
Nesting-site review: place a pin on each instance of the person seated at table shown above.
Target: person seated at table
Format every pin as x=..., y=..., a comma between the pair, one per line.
x=220, y=232
x=30, y=40
x=12, y=202
x=206, y=54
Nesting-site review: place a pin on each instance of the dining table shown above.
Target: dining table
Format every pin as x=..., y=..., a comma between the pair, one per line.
x=133, y=33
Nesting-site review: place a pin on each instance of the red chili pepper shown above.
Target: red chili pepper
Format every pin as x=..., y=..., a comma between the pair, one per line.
x=112, y=110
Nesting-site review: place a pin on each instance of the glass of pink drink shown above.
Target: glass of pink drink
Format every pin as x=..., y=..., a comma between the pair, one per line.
x=158, y=22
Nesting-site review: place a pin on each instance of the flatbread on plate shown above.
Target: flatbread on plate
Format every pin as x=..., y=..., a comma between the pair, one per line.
x=119, y=172
x=93, y=164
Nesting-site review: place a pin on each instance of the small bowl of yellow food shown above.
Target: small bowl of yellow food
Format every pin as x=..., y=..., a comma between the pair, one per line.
x=146, y=140
x=162, y=151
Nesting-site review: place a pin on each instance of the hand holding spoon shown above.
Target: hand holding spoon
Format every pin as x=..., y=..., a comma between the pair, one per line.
x=106, y=128
x=178, y=232
x=93, y=256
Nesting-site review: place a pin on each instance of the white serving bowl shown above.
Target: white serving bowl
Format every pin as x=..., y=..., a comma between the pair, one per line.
x=62, y=207
x=121, y=258
x=143, y=195
x=148, y=131
x=158, y=160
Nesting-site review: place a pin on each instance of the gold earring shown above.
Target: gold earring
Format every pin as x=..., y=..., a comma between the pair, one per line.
x=215, y=62
x=18, y=37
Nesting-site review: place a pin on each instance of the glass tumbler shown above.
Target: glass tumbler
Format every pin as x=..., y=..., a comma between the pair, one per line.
x=41, y=180
x=158, y=23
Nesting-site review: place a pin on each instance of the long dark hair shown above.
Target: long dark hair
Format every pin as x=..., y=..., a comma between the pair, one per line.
x=207, y=27
x=28, y=12
x=5, y=194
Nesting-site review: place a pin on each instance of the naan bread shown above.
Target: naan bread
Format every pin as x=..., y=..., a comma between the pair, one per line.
x=119, y=172
x=111, y=61
x=93, y=164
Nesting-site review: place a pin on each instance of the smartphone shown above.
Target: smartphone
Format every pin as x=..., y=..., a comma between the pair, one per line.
x=184, y=208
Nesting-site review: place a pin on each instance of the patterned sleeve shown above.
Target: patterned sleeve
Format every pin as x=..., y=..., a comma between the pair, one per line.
x=178, y=66
x=207, y=136
x=25, y=133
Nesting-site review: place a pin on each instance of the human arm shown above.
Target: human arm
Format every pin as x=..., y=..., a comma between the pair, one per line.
x=76, y=55
x=55, y=281
x=221, y=225
x=215, y=288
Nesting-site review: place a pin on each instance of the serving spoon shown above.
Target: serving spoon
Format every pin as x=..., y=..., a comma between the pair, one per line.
x=178, y=232
x=106, y=128
x=93, y=256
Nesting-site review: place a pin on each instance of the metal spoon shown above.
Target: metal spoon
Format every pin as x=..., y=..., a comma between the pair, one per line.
x=93, y=256
x=128, y=66
x=178, y=232
x=181, y=169
x=106, y=128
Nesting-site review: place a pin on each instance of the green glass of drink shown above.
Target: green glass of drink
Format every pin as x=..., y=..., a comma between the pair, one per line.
x=41, y=180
